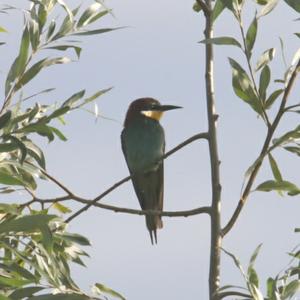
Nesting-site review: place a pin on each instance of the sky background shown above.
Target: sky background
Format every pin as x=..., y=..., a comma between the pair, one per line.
x=158, y=55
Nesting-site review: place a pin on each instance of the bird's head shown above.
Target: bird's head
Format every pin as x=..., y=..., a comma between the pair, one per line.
x=147, y=107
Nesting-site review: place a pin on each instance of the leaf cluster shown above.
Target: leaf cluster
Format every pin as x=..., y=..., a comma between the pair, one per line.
x=35, y=249
x=283, y=286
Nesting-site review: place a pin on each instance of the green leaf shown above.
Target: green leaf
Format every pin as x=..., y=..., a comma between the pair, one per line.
x=253, y=277
x=74, y=238
x=60, y=297
x=251, y=36
x=39, y=93
x=271, y=288
x=96, y=31
x=223, y=40
x=261, y=2
x=59, y=112
x=255, y=292
x=27, y=223
x=232, y=6
x=66, y=8
x=10, y=179
x=93, y=97
x=243, y=86
x=218, y=9
x=287, y=137
x=293, y=149
x=254, y=256
x=88, y=14
x=15, y=269
x=21, y=146
x=6, y=190
x=24, y=292
x=26, y=173
x=295, y=4
x=291, y=289
x=274, y=168
x=99, y=15
x=73, y=99
x=65, y=29
x=272, y=98
x=19, y=64
x=268, y=8
x=265, y=58
x=9, y=208
x=58, y=133
x=272, y=185
x=36, y=153
x=40, y=129
x=104, y=289
x=197, y=7
x=264, y=82
x=47, y=239
x=37, y=67
x=5, y=118
x=51, y=29
x=32, y=72
x=34, y=33
x=2, y=29
x=13, y=282
x=61, y=208
x=297, y=34
x=65, y=47
x=42, y=16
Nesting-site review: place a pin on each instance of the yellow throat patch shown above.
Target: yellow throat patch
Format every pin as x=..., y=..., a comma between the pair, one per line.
x=153, y=114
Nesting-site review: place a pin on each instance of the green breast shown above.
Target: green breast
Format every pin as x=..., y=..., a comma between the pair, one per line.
x=143, y=143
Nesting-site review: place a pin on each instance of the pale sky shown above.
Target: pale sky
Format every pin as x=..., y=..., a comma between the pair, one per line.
x=157, y=55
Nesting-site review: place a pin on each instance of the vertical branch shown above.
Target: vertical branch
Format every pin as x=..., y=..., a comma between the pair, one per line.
x=216, y=238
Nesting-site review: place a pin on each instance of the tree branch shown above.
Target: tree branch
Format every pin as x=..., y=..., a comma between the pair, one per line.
x=216, y=237
x=203, y=135
x=117, y=209
x=183, y=213
x=263, y=153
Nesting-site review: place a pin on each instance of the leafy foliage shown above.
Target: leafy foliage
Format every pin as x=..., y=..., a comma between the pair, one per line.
x=283, y=286
x=36, y=249
x=255, y=85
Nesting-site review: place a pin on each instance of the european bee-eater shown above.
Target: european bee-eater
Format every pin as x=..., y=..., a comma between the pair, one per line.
x=143, y=145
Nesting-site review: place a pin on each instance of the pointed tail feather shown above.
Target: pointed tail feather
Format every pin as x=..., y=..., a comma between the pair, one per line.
x=153, y=223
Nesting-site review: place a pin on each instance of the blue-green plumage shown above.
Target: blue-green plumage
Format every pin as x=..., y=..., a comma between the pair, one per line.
x=143, y=144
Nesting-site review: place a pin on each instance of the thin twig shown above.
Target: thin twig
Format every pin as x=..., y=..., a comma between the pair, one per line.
x=198, y=136
x=62, y=186
x=44, y=201
x=263, y=153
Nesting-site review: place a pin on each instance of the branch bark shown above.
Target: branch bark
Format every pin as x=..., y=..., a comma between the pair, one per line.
x=216, y=237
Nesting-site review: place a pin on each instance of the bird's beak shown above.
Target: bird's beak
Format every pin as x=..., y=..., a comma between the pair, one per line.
x=165, y=107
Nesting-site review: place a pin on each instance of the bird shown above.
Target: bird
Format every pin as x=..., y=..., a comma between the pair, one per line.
x=143, y=145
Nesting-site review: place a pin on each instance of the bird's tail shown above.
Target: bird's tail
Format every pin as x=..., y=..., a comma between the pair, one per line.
x=153, y=223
